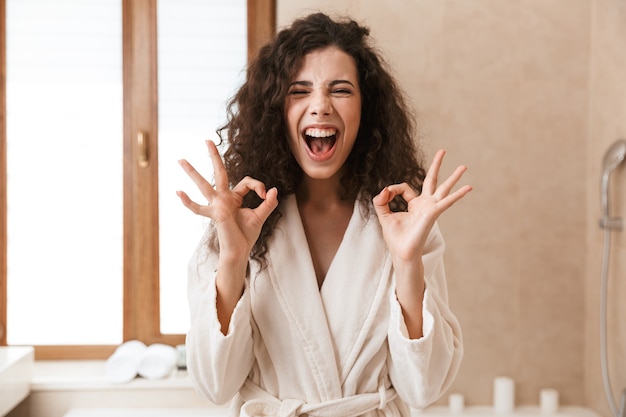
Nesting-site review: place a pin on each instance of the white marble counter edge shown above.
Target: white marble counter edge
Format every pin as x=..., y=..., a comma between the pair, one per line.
x=84, y=375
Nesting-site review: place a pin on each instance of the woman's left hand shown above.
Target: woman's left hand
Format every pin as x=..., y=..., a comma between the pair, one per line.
x=406, y=232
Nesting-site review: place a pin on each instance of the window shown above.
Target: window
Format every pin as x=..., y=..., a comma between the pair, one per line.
x=99, y=230
x=64, y=165
x=196, y=74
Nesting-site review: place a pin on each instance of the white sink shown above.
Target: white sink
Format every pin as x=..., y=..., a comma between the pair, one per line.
x=16, y=372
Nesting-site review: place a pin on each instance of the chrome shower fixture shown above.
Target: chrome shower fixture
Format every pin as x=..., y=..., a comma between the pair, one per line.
x=613, y=157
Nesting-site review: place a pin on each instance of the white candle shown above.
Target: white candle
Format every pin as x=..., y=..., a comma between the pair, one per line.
x=181, y=356
x=503, y=395
x=456, y=402
x=549, y=400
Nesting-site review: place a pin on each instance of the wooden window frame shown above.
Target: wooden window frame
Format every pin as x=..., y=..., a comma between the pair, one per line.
x=3, y=176
x=141, y=228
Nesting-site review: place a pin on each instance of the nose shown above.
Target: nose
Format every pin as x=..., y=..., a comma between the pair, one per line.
x=320, y=104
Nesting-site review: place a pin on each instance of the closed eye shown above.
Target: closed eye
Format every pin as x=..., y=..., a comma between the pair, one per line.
x=299, y=88
x=342, y=88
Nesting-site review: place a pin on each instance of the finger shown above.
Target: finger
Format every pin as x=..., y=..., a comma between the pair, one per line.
x=445, y=188
x=430, y=182
x=247, y=184
x=192, y=205
x=203, y=185
x=268, y=205
x=452, y=198
x=219, y=170
x=404, y=190
x=381, y=202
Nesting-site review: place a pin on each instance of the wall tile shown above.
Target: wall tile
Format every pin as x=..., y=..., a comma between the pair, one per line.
x=483, y=287
x=481, y=39
x=553, y=156
x=414, y=54
x=594, y=394
x=286, y=11
x=480, y=128
x=552, y=306
x=556, y=37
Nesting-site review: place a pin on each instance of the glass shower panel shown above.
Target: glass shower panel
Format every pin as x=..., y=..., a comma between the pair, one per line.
x=202, y=51
x=64, y=179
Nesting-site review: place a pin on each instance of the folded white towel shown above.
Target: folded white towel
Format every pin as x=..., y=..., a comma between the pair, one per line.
x=123, y=365
x=158, y=361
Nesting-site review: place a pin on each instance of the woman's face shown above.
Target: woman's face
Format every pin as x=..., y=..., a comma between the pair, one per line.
x=323, y=112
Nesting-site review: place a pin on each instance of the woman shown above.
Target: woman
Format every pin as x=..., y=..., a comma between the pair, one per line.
x=320, y=288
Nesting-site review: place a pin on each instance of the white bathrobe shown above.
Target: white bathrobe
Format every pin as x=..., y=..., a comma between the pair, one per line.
x=342, y=350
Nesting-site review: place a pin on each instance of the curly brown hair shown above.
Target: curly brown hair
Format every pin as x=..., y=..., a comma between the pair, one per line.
x=255, y=134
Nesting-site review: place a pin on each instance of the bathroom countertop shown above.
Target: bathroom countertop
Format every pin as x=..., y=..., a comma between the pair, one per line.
x=520, y=411
x=53, y=375
x=148, y=412
x=16, y=369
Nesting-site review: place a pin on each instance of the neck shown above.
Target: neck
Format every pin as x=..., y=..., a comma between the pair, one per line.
x=320, y=193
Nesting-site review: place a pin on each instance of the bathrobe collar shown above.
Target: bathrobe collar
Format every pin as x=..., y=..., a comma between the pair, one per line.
x=357, y=280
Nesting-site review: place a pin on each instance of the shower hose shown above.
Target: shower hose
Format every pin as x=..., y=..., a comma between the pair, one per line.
x=615, y=410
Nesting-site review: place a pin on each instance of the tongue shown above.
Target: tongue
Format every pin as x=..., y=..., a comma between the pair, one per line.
x=320, y=145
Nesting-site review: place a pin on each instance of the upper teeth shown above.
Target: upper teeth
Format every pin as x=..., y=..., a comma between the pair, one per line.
x=320, y=133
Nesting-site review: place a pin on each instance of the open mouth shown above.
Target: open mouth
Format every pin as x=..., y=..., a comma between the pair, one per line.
x=320, y=141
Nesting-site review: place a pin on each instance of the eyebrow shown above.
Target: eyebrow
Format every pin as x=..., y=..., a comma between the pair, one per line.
x=309, y=83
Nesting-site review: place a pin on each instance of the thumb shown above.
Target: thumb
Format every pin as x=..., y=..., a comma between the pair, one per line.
x=268, y=205
x=381, y=202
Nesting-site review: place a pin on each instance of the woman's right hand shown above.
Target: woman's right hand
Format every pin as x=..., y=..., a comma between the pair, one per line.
x=237, y=228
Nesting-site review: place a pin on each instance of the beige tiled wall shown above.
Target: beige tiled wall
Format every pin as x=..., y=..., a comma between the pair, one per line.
x=607, y=123
x=528, y=94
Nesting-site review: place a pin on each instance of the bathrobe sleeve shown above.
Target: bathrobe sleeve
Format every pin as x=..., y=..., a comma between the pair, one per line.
x=422, y=369
x=218, y=364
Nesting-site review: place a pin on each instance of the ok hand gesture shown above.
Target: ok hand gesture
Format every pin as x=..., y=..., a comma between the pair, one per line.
x=406, y=232
x=237, y=228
